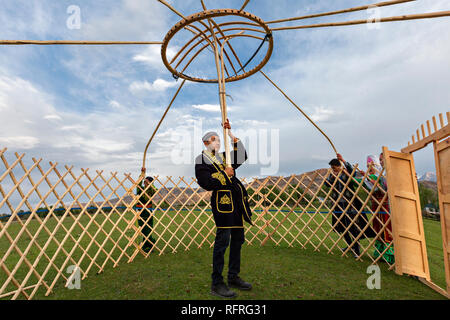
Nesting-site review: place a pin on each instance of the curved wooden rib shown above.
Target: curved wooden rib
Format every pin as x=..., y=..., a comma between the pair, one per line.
x=228, y=44
x=217, y=42
x=187, y=27
x=199, y=42
x=197, y=36
x=197, y=17
x=204, y=47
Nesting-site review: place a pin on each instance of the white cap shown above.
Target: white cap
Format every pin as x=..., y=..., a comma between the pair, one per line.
x=209, y=135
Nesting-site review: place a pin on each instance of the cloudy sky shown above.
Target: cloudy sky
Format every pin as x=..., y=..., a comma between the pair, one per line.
x=96, y=107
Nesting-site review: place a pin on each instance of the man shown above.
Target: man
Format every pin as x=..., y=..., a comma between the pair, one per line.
x=146, y=191
x=344, y=211
x=229, y=204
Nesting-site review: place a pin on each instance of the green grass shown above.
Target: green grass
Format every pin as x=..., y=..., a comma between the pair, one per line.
x=433, y=238
x=277, y=272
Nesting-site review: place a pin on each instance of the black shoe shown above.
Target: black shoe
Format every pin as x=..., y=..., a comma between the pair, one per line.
x=147, y=249
x=239, y=284
x=354, y=252
x=221, y=290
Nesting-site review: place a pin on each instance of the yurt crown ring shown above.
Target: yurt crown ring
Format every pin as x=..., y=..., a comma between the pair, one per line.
x=203, y=39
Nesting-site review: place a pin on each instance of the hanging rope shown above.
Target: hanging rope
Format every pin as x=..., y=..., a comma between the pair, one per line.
x=159, y=124
x=256, y=52
x=310, y=120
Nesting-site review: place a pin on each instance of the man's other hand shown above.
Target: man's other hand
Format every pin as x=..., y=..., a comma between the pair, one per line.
x=227, y=125
x=229, y=171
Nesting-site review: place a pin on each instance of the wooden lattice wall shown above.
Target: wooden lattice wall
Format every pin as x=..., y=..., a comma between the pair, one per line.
x=55, y=217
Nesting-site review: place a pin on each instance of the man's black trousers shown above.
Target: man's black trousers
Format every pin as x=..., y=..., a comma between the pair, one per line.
x=233, y=237
x=144, y=220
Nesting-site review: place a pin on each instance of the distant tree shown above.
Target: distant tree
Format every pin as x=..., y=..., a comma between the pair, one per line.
x=164, y=205
x=202, y=203
x=42, y=212
x=428, y=196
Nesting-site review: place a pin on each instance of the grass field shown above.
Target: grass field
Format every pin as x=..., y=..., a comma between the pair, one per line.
x=277, y=272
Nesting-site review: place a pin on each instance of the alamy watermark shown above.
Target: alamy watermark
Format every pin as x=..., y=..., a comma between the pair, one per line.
x=374, y=280
x=74, y=280
x=262, y=146
x=373, y=21
x=73, y=22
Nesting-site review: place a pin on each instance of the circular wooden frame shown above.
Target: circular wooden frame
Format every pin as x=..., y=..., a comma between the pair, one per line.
x=209, y=14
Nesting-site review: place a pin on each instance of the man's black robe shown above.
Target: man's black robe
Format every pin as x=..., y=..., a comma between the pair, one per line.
x=229, y=199
x=343, y=214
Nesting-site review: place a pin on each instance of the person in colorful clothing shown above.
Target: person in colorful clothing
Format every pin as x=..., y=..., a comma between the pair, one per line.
x=146, y=190
x=380, y=203
x=230, y=208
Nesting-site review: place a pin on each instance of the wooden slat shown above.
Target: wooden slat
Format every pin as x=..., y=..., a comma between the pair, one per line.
x=442, y=133
x=112, y=237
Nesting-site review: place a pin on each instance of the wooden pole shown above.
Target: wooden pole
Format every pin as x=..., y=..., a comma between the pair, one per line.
x=244, y=5
x=222, y=94
x=66, y=42
x=374, y=5
x=355, y=22
x=223, y=107
x=310, y=120
x=172, y=8
x=159, y=123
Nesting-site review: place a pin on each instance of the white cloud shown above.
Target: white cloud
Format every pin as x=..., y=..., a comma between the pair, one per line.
x=52, y=117
x=21, y=102
x=385, y=81
x=72, y=128
x=322, y=114
x=99, y=144
x=250, y=123
x=207, y=107
x=23, y=142
x=151, y=56
x=159, y=85
x=210, y=107
x=115, y=105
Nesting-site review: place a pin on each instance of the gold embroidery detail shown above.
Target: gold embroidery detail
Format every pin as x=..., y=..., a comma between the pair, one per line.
x=225, y=200
x=219, y=177
x=213, y=159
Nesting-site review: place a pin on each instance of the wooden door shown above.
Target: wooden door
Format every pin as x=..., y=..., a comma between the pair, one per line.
x=442, y=157
x=407, y=225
